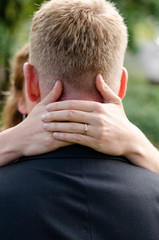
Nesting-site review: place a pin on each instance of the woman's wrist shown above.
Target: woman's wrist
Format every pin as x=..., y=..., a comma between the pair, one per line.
x=141, y=152
x=11, y=145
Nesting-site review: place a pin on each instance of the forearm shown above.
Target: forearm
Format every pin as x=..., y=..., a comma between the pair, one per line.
x=141, y=152
x=11, y=145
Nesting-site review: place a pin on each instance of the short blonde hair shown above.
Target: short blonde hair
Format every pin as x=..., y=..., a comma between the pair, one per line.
x=10, y=115
x=70, y=38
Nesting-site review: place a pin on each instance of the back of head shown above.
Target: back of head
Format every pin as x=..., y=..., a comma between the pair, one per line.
x=75, y=40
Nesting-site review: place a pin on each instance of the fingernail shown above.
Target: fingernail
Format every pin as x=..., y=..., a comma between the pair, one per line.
x=56, y=83
x=100, y=76
x=48, y=107
x=56, y=134
x=46, y=126
x=43, y=117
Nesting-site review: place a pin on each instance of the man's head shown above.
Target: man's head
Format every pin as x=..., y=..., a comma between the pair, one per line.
x=75, y=40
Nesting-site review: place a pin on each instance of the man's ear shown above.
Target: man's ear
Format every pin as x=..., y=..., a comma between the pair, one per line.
x=123, y=83
x=32, y=82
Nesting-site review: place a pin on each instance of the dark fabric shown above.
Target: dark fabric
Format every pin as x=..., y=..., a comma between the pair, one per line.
x=76, y=193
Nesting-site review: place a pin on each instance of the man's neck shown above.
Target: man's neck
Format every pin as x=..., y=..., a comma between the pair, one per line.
x=90, y=96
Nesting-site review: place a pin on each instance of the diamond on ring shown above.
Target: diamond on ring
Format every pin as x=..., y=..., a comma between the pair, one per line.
x=85, y=128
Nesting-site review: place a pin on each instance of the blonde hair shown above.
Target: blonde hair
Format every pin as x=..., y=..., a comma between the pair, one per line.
x=10, y=115
x=70, y=38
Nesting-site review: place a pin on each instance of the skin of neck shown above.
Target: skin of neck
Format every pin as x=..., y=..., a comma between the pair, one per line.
x=81, y=95
x=83, y=88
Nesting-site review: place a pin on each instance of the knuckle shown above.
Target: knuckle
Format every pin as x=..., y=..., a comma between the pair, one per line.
x=70, y=114
x=99, y=144
x=49, y=140
x=54, y=126
x=70, y=105
x=100, y=135
x=101, y=121
x=99, y=107
x=74, y=127
x=78, y=138
x=49, y=116
x=55, y=105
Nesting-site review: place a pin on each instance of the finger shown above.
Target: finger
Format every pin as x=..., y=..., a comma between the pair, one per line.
x=105, y=91
x=87, y=106
x=69, y=127
x=59, y=143
x=54, y=94
x=64, y=127
x=76, y=139
x=70, y=116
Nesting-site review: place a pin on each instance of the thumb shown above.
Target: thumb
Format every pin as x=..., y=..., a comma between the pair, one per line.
x=54, y=95
x=108, y=95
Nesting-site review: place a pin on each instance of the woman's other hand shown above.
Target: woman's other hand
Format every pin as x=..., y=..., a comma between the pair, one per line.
x=35, y=140
x=101, y=126
x=108, y=126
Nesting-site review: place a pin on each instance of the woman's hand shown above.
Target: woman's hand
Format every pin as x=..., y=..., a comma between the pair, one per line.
x=107, y=123
x=109, y=130
x=29, y=138
x=35, y=139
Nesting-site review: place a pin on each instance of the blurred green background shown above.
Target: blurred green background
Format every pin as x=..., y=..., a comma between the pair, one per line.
x=142, y=18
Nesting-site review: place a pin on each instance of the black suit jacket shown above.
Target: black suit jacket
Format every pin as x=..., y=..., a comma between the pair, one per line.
x=76, y=193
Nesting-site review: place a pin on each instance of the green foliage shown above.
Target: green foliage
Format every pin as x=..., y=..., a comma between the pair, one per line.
x=141, y=106
x=15, y=19
x=135, y=11
x=4, y=43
